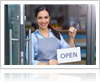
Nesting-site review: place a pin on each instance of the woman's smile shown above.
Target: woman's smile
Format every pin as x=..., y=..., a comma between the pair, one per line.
x=43, y=24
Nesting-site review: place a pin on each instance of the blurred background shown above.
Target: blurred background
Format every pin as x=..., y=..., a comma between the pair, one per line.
x=62, y=16
x=80, y=16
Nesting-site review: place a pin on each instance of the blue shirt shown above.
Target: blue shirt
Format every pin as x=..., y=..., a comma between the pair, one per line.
x=62, y=43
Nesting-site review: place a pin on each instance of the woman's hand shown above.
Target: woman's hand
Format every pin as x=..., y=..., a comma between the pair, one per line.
x=72, y=32
x=53, y=75
x=53, y=62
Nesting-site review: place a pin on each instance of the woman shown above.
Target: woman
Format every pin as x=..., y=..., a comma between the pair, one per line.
x=46, y=40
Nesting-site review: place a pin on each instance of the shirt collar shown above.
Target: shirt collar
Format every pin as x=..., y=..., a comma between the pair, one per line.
x=50, y=30
x=37, y=31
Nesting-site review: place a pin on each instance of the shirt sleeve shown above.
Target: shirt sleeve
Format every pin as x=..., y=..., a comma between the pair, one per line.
x=34, y=62
x=63, y=43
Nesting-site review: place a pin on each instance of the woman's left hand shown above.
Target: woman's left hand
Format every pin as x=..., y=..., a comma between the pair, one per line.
x=72, y=32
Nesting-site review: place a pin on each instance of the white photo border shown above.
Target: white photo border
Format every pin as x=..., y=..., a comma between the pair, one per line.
x=50, y=2
x=49, y=71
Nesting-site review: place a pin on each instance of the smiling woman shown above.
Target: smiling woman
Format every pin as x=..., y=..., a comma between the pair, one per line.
x=46, y=40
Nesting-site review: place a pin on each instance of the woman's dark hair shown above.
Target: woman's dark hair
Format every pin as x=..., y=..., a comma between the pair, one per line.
x=40, y=8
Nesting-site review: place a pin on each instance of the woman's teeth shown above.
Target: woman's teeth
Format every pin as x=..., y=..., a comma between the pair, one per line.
x=43, y=25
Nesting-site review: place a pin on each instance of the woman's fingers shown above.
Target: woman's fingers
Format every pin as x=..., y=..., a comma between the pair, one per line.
x=76, y=30
x=72, y=29
x=53, y=62
x=72, y=32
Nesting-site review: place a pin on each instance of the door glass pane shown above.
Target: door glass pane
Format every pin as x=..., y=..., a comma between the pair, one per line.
x=63, y=17
x=13, y=24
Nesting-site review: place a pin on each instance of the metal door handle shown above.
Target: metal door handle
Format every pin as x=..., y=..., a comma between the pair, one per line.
x=11, y=39
x=29, y=47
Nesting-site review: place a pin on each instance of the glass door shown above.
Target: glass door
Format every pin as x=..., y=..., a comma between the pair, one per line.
x=14, y=34
x=14, y=38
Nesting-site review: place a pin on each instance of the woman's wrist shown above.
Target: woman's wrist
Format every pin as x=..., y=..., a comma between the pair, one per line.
x=41, y=63
x=71, y=42
x=72, y=38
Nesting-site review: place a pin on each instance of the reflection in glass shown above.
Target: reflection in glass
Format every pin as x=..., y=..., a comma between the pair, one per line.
x=47, y=77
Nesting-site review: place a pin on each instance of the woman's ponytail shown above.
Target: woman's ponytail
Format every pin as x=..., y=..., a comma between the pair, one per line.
x=55, y=33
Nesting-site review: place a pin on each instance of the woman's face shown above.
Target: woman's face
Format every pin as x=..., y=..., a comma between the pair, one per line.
x=43, y=19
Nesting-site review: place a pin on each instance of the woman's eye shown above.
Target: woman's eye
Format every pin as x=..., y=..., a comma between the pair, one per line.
x=46, y=17
x=39, y=17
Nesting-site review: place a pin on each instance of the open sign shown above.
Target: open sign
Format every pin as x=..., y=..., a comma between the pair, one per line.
x=68, y=55
x=66, y=78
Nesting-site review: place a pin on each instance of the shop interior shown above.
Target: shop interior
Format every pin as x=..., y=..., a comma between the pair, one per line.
x=62, y=17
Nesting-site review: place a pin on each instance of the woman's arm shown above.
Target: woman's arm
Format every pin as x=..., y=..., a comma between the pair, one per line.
x=34, y=62
x=51, y=62
x=72, y=34
x=40, y=63
x=64, y=44
x=71, y=42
